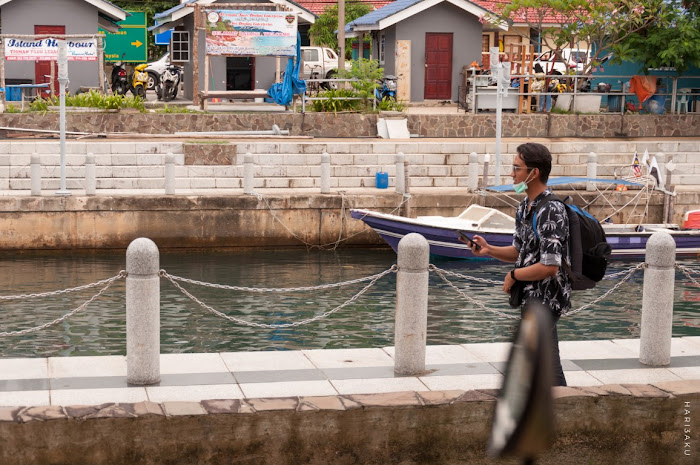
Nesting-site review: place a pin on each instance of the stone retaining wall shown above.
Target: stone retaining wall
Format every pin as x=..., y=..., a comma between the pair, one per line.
x=77, y=222
x=459, y=124
x=611, y=424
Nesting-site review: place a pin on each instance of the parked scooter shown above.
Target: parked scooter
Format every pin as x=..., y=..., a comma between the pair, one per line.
x=169, y=83
x=119, y=81
x=387, y=88
x=139, y=80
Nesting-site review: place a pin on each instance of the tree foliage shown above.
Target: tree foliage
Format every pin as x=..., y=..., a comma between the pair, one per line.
x=323, y=30
x=605, y=25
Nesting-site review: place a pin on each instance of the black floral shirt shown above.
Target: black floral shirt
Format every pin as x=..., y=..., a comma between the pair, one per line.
x=551, y=248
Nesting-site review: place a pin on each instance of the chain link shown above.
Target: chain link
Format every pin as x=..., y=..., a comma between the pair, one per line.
x=281, y=290
x=109, y=282
x=687, y=272
x=122, y=274
x=432, y=267
x=630, y=272
x=239, y=321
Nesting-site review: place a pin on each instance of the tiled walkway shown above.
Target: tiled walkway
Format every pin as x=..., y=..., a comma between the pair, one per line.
x=237, y=375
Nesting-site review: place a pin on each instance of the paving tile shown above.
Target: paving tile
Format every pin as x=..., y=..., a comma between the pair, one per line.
x=359, y=372
x=183, y=408
x=692, y=339
x=581, y=378
x=568, y=365
x=489, y=351
x=219, y=406
x=584, y=350
x=608, y=390
x=23, y=368
x=443, y=354
x=194, y=379
x=644, y=376
x=454, y=369
x=96, y=382
x=24, y=398
x=611, y=364
x=9, y=413
x=679, y=346
x=307, y=403
x=686, y=373
x=68, y=367
x=98, y=396
x=288, y=389
x=645, y=390
x=193, y=393
x=678, y=388
x=284, y=403
x=464, y=382
x=339, y=358
x=379, y=385
x=440, y=397
x=272, y=360
x=560, y=392
x=42, y=413
x=192, y=363
x=24, y=385
x=387, y=399
x=278, y=376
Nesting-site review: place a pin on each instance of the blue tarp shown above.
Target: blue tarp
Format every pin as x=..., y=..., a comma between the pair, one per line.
x=282, y=92
x=568, y=180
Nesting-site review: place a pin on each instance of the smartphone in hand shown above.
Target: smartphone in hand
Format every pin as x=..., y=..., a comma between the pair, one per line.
x=470, y=241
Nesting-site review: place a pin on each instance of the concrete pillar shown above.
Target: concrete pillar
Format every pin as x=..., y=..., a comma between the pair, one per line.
x=592, y=170
x=35, y=173
x=485, y=175
x=169, y=174
x=325, y=173
x=142, y=312
x=473, y=179
x=400, y=180
x=411, y=305
x=248, y=173
x=90, y=175
x=657, y=300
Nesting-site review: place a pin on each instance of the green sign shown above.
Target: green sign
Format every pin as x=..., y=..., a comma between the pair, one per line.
x=129, y=43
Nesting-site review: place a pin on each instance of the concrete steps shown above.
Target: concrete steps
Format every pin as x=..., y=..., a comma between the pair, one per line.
x=284, y=165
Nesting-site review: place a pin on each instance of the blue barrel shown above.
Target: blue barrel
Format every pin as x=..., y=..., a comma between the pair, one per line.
x=13, y=94
x=382, y=180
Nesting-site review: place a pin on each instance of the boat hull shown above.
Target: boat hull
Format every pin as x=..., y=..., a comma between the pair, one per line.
x=444, y=241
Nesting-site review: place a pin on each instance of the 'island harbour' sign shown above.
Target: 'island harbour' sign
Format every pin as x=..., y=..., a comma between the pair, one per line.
x=47, y=49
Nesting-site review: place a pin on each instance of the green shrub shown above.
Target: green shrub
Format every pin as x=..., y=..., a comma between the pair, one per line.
x=335, y=100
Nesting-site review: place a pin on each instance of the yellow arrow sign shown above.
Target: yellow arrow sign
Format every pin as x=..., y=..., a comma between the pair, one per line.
x=137, y=44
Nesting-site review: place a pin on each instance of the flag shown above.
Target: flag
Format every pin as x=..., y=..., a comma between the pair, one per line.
x=636, y=167
x=656, y=172
x=645, y=158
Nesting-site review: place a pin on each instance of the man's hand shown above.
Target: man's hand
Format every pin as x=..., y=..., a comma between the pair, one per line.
x=508, y=282
x=479, y=246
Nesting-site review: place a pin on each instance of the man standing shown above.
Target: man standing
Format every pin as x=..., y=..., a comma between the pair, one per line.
x=539, y=255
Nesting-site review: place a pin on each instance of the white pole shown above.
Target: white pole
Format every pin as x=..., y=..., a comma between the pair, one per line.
x=400, y=180
x=325, y=173
x=473, y=179
x=248, y=168
x=62, y=81
x=35, y=173
x=169, y=174
x=90, y=175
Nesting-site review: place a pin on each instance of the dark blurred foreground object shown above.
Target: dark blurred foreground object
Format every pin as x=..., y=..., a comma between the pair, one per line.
x=523, y=424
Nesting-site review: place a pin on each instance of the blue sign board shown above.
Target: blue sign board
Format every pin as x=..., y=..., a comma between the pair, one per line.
x=163, y=38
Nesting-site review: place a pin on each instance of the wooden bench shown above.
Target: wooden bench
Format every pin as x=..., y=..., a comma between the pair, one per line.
x=230, y=94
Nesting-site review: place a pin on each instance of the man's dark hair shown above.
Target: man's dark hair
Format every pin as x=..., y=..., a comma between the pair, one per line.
x=536, y=156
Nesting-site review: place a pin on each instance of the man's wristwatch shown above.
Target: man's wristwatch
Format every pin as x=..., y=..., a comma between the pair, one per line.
x=512, y=275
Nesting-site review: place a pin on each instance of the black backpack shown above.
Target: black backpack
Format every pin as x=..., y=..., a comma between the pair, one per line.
x=589, y=250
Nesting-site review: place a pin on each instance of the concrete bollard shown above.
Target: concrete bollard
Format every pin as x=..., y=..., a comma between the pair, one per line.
x=657, y=300
x=325, y=173
x=90, y=175
x=473, y=179
x=400, y=180
x=411, y=305
x=35, y=173
x=169, y=174
x=142, y=312
x=591, y=170
x=485, y=175
x=248, y=173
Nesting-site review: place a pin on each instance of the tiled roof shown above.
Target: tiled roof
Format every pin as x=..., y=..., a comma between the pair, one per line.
x=318, y=6
x=497, y=5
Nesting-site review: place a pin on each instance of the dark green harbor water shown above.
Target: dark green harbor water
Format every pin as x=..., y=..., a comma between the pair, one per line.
x=368, y=322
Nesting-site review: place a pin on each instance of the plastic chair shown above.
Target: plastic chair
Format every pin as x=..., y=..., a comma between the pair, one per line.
x=683, y=99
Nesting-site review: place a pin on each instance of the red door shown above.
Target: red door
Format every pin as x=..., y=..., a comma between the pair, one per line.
x=42, y=69
x=438, y=66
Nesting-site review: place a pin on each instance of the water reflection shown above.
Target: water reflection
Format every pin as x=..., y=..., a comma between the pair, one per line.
x=369, y=322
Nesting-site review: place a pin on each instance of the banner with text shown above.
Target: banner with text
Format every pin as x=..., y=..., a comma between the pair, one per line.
x=47, y=49
x=254, y=33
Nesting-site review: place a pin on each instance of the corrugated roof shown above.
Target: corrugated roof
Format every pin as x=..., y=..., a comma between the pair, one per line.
x=317, y=7
x=172, y=10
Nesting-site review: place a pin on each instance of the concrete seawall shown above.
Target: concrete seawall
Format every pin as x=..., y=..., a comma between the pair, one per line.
x=236, y=220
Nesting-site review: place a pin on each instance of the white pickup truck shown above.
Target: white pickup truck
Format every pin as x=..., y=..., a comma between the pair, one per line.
x=321, y=60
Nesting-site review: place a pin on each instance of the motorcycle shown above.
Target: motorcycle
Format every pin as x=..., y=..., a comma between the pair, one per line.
x=169, y=83
x=387, y=88
x=119, y=81
x=139, y=80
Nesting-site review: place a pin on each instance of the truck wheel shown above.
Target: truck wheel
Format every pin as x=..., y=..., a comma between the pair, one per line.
x=330, y=85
